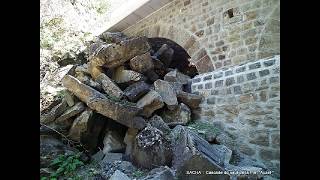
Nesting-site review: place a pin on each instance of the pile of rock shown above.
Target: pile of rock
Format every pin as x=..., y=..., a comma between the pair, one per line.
x=128, y=99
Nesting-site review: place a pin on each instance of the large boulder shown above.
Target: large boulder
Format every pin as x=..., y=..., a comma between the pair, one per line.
x=157, y=122
x=80, y=124
x=181, y=115
x=124, y=76
x=193, y=153
x=73, y=111
x=151, y=148
x=142, y=63
x=150, y=102
x=114, y=55
x=51, y=113
x=109, y=86
x=165, y=54
x=167, y=93
x=120, y=111
x=192, y=100
x=135, y=91
x=87, y=80
x=176, y=76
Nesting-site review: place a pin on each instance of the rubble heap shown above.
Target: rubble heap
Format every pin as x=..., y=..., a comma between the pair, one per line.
x=129, y=100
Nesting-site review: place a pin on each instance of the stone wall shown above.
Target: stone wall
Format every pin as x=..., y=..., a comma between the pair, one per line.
x=230, y=42
x=245, y=101
x=217, y=33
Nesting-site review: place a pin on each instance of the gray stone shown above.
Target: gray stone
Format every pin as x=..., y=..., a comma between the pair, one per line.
x=109, y=86
x=218, y=75
x=192, y=100
x=79, y=125
x=111, y=157
x=150, y=102
x=254, y=66
x=223, y=152
x=166, y=57
x=269, y=62
x=85, y=79
x=176, y=86
x=56, y=111
x=161, y=173
x=237, y=90
x=69, y=97
x=157, y=122
x=182, y=115
x=167, y=93
x=218, y=83
x=208, y=85
x=211, y=100
x=191, y=152
x=228, y=73
x=230, y=81
x=98, y=156
x=264, y=72
x=113, y=55
x=274, y=80
x=214, y=92
x=74, y=110
x=122, y=75
x=119, y=111
x=142, y=63
x=241, y=69
x=207, y=78
x=113, y=142
x=176, y=76
x=151, y=148
x=196, y=80
x=135, y=91
x=240, y=79
x=251, y=76
x=200, y=86
x=118, y=175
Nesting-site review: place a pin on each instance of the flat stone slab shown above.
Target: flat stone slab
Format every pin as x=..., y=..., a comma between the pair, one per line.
x=121, y=111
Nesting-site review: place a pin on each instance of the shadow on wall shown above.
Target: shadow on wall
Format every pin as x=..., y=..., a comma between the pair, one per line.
x=180, y=58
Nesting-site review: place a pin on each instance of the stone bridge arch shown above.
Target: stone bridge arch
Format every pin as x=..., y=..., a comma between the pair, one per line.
x=198, y=54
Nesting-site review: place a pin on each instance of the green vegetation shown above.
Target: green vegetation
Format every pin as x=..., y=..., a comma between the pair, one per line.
x=65, y=165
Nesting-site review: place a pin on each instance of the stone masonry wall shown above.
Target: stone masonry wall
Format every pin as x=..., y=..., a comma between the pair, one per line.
x=245, y=101
x=217, y=33
x=230, y=42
